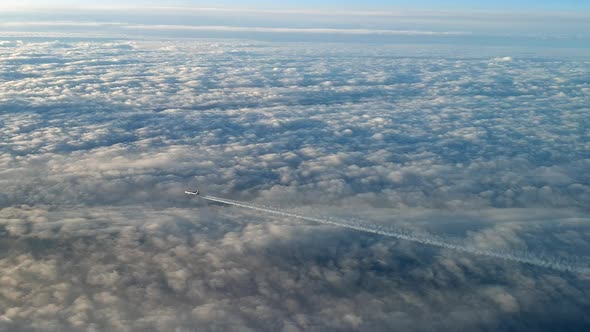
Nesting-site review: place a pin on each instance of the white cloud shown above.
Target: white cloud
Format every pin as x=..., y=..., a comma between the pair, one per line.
x=99, y=139
x=295, y=30
x=345, y=31
x=503, y=59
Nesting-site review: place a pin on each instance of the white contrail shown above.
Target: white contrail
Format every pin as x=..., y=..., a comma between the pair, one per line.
x=527, y=258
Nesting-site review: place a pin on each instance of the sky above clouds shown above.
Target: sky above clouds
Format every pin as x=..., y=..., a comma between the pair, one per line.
x=306, y=4
x=499, y=24
x=473, y=132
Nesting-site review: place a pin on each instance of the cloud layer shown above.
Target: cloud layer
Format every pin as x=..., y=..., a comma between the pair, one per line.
x=99, y=138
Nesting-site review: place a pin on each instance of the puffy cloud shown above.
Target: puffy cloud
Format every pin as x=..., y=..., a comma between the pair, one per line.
x=99, y=139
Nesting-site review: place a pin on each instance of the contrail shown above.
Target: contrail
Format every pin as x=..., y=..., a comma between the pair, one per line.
x=526, y=258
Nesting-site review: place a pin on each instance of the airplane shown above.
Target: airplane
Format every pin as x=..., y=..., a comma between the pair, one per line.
x=191, y=192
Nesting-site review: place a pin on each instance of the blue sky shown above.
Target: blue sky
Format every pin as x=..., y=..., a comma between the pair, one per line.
x=369, y=4
x=385, y=4
x=548, y=23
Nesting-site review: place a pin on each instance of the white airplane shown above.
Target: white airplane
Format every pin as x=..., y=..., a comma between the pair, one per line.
x=191, y=192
